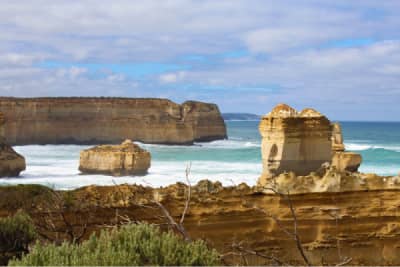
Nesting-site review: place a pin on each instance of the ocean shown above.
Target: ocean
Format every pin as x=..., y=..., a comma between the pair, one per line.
x=231, y=161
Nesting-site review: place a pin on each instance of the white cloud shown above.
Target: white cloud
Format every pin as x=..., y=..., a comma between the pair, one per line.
x=172, y=77
x=288, y=43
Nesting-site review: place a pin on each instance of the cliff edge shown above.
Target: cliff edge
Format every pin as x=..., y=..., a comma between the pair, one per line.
x=90, y=120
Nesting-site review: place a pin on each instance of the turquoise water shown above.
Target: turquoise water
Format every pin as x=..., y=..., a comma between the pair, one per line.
x=377, y=142
x=231, y=161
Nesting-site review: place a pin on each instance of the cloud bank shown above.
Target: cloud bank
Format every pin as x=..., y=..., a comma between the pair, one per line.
x=341, y=57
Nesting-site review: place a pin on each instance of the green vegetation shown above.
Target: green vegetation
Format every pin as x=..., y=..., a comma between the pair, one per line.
x=16, y=233
x=133, y=244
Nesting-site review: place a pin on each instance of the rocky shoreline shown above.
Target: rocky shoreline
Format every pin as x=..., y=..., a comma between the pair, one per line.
x=310, y=198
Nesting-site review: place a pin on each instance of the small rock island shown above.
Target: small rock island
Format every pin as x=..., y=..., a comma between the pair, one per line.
x=116, y=160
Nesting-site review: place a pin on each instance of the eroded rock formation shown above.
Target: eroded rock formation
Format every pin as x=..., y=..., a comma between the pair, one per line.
x=117, y=160
x=343, y=160
x=304, y=144
x=293, y=141
x=333, y=226
x=346, y=161
x=337, y=137
x=11, y=163
x=330, y=180
x=109, y=120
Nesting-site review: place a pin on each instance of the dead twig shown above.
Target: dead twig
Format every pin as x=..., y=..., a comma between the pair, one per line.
x=189, y=192
x=178, y=226
x=295, y=234
x=344, y=262
x=247, y=251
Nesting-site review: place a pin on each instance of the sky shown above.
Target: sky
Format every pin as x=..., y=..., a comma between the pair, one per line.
x=340, y=57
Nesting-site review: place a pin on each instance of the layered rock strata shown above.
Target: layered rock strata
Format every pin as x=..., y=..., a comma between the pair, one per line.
x=294, y=141
x=11, y=163
x=109, y=120
x=302, y=143
x=362, y=226
x=116, y=160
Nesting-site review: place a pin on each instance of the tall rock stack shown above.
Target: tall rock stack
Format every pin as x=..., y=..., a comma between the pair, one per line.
x=294, y=141
x=11, y=163
x=304, y=152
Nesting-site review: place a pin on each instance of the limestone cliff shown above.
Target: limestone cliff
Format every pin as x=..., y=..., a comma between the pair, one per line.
x=293, y=141
x=109, y=120
x=117, y=160
x=360, y=225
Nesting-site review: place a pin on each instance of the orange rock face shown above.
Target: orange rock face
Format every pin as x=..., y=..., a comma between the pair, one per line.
x=109, y=120
x=346, y=161
x=362, y=225
x=294, y=141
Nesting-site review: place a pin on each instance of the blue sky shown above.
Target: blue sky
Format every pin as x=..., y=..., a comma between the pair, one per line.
x=340, y=57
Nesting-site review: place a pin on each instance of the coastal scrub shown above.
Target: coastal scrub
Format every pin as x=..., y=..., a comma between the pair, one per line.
x=132, y=244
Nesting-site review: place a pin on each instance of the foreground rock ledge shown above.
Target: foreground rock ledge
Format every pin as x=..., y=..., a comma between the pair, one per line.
x=363, y=225
x=116, y=160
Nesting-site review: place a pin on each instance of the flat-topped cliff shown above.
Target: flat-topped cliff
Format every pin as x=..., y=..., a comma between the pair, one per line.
x=88, y=120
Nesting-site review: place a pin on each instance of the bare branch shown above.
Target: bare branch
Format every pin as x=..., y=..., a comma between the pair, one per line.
x=294, y=216
x=344, y=262
x=172, y=222
x=240, y=248
x=189, y=192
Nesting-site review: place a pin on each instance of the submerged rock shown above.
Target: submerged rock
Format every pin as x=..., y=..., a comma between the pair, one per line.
x=116, y=160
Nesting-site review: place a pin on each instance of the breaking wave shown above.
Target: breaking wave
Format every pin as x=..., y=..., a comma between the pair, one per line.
x=362, y=147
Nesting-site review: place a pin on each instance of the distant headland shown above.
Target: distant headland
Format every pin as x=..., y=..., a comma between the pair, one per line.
x=240, y=117
x=92, y=120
